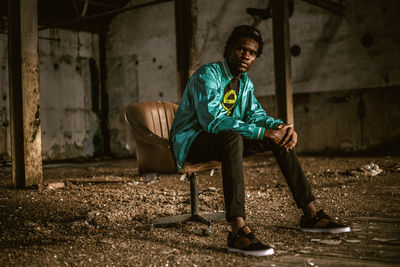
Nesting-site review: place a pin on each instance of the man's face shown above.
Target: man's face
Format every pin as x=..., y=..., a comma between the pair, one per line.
x=241, y=56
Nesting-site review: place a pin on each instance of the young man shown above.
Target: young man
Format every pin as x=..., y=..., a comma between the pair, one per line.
x=219, y=118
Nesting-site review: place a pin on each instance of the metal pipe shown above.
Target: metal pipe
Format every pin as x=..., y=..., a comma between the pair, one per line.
x=112, y=12
x=194, y=193
x=329, y=5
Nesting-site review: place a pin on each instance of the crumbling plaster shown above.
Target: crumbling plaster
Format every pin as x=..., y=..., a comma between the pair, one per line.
x=68, y=121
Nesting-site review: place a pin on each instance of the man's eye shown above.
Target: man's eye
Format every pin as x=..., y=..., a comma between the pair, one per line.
x=252, y=53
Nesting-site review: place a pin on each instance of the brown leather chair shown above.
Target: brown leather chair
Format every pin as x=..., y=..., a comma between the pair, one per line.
x=150, y=123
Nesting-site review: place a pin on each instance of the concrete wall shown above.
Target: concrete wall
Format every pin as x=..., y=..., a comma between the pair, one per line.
x=69, y=86
x=346, y=120
x=141, y=65
x=338, y=53
x=353, y=52
x=332, y=54
x=68, y=64
x=346, y=64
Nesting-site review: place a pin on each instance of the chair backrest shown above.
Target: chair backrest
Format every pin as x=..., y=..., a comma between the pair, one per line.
x=155, y=116
x=151, y=124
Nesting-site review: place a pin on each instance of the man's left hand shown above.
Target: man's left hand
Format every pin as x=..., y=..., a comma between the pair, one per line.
x=290, y=139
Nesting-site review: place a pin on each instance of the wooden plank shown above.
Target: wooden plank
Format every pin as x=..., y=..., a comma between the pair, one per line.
x=377, y=219
x=320, y=260
x=15, y=87
x=186, y=41
x=24, y=93
x=97, y=180
x=283, y=79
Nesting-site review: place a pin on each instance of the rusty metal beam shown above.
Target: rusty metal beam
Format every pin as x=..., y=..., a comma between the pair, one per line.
x=186, y=41
x=281, y=40
x=330, y=5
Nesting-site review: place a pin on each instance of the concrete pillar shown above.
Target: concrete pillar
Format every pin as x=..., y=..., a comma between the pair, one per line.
x=26, y=141
x=186, y=41
x=283, y=79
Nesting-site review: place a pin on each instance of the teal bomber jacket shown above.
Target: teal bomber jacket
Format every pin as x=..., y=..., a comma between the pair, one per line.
x=200, y=109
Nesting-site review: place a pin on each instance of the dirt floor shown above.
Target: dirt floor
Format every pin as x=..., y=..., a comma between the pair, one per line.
x=98, y=214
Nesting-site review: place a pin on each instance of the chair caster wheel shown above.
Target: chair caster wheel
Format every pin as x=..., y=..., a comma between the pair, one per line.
x=206, y=232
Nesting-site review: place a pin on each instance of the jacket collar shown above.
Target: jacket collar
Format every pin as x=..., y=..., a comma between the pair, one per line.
x=228, y=73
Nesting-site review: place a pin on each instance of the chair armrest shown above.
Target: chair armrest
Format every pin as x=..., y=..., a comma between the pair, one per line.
x=143, y=134
x=154, y=153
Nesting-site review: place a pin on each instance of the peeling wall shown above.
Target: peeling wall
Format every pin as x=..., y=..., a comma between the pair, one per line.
x=346, y=120
x=141, y=65
x=358, y=50
x=68, y=62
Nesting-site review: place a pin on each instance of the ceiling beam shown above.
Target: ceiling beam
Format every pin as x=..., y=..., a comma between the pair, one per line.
x=100, y=4
x=104, y=14
x=337, y=8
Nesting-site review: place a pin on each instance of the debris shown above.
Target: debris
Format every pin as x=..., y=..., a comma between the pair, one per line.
x=353, y=241
x=96, y=218
x=384, y=239
x=206, y=232
x=150, y=178
x=54, y=186
x=166, y=252
x=97, y=180
x=394, y=168
x=184, y=177
x=212, y=172
x=371, y=169
x=327, y=241
x=105, y=241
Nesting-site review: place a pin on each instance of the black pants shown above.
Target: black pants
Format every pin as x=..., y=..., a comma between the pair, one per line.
x=230, y=148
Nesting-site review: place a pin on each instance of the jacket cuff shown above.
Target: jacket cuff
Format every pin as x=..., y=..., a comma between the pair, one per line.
x=258, y=133
x=276, y=123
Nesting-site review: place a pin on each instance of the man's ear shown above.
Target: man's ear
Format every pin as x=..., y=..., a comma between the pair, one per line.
x=229, y=49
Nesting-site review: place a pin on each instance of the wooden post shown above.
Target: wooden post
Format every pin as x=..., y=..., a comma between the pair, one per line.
x=186, y=41
x=26, y=138
x=283, y=79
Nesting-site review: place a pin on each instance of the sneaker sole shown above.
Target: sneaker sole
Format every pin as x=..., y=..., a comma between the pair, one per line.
x=327, y=230
x=252, y=253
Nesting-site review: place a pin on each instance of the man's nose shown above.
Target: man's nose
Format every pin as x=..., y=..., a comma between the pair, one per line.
x=246, y=54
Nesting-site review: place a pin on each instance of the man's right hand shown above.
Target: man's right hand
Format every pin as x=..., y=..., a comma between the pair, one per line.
x=282, y=136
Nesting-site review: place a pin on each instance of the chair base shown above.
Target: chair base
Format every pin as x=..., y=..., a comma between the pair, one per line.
x=204, y=218
x=195, y=215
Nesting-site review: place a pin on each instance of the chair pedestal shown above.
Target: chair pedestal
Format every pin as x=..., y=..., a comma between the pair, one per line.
x=203, y=217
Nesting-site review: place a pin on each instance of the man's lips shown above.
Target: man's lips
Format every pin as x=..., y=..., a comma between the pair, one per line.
x=243, y=64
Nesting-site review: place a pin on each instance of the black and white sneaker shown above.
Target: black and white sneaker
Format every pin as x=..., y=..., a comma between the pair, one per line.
x=244, y=242
x=322, y=223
